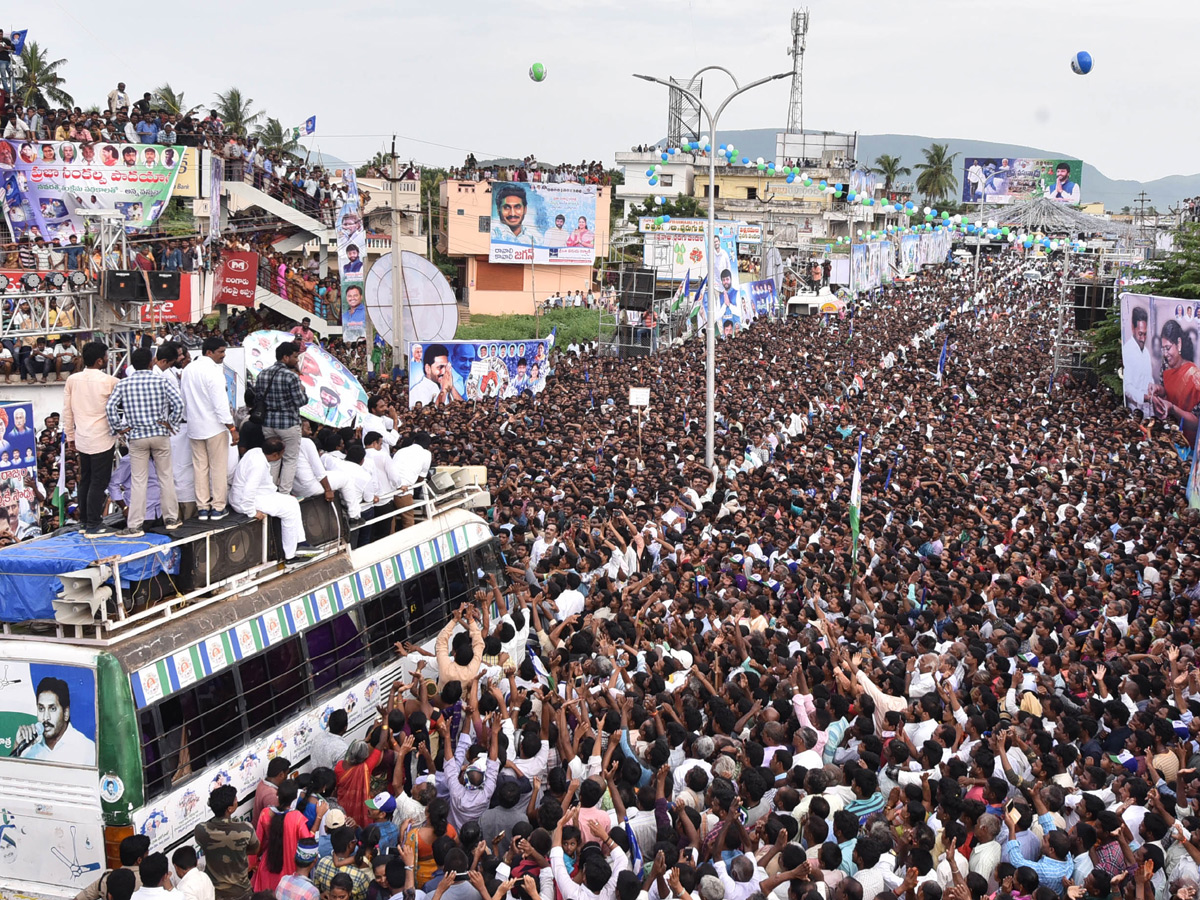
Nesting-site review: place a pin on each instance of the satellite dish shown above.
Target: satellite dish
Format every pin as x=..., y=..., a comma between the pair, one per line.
x=430, y=310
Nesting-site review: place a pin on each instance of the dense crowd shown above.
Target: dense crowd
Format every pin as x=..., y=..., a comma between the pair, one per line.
x=700, y=686
x=530, y=170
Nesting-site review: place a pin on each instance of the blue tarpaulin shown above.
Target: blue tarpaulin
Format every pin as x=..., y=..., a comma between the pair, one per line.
x=29, y=571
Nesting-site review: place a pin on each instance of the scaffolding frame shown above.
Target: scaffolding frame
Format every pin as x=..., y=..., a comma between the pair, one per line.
x=683, y=112
x=621, y=333
x=1071, y=345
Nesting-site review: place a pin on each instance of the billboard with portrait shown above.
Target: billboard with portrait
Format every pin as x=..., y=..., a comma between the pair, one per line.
x=1158, y=358
x=19, y=504
x=48, y=713
x=352, y=252
x=910, y=254
x=863, y=182
x=760, y=296
x=453, y=371
x=335, y=397
x=543, y=224
x=679, y=251
x=1014, y=180
x=48, y=186
x=887, y=261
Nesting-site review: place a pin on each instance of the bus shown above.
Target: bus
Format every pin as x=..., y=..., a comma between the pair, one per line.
x=151, y=719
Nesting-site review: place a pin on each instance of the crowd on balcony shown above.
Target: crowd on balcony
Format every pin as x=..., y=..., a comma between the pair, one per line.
x=530, y=170
x=1191, y=209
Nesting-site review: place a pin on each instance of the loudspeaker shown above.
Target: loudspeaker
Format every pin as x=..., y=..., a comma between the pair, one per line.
x=124, y=286
x=1092, y=302
x=234, y=549
x=164, y=285
x=638, y=302
x=322, y=524
x=637, y=281
x=141, y=594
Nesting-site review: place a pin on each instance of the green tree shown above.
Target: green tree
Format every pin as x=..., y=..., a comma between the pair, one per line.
x=166, y=97
x=683, y=206
x=889, y=167
x=1125, y=210
x=1174, y=274
x=381, y=162
x=937, y=179
x=273, y=136
x=37, y=79
x=237, y=112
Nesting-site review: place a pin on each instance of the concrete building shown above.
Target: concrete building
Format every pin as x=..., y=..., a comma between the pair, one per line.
x=676, y=178
x=502, y=288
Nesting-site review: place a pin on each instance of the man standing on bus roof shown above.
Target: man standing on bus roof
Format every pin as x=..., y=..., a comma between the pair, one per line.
x=54, y=738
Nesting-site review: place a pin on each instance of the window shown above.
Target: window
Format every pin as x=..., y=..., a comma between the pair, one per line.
x=426, y=605
x=485, y=224
x=751, y=193
x=387, y=622
x=335, y=651
x=275, y=684
x=459, y=583
x=460, y=212
x=190, y=730
x=666, y=180
x=716, y=191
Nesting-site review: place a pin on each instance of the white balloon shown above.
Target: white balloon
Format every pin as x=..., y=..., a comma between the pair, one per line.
x=992, y=223
x=927, y=210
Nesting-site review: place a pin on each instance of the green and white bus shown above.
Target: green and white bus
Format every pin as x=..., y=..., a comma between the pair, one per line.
x=152, y=710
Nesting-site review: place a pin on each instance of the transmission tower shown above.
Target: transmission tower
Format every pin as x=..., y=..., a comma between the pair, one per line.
x=795, y=122
x=1141, y=202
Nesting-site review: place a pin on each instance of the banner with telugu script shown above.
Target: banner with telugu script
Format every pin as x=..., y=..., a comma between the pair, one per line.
x=49, y=185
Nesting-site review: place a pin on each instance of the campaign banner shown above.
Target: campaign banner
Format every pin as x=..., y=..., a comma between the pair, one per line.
x=862, y=276
x=761, y=296
x=679, y=249
x=47, y=185
x=335, y=396
x=1158, y=358
x=1014, y=180
x=352, y=251
x=749, y=234
x=887, y=261
x=187, y=182
x=453, y=371
x=237, y=279
x=48, y=713
x=910, y=251
x=863, y=182
x=19, y=502
x=651, y=225
x=546, y=224
x=734, y=312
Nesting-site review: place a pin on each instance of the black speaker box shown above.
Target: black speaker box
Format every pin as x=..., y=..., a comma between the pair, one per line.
x=322, y=523
x=124, y=286
x=164, y=285
x=638, y=302
x=234, y=549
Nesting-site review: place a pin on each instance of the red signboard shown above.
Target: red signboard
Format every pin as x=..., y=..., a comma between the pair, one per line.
x=173, y=310
x=237, y=278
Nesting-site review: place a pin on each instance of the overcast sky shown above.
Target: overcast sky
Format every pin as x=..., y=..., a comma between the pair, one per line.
x=452, y=77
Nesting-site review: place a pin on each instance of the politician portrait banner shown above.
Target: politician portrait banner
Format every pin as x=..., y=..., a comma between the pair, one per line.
x=453, y=371
x=910, y=254
x=760, y=296
x=1158, y=358
x=49, y=185
x=19, y=504
x=48, y=713
x=352, y=250
x=544, y=224
x=1014, y=180
x=335, y=397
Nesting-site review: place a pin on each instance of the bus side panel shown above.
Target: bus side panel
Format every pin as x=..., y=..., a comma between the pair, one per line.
x=119, y=745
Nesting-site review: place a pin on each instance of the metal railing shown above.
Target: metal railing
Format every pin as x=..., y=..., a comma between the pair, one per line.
x=115, y=622
x=278, y=189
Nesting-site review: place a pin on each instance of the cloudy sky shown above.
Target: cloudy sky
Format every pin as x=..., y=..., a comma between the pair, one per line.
x=452, y=77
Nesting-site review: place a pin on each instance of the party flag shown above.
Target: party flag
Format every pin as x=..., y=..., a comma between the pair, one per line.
x=856, y=502
x=18, y=40
x=59, y=498
x=310, y=125
x=941, y=369
x=635, y=850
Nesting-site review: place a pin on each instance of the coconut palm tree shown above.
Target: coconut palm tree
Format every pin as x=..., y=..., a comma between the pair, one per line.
x=938, y=179
x=273, y=136
x=889, y=167
x=167, y=98
x=37, y=80
x=235, y=111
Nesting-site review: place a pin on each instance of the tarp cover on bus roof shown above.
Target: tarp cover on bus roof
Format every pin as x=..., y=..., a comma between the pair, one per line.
x=29, y=571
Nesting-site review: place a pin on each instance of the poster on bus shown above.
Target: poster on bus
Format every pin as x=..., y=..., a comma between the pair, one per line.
x=48, y=713
x=49, y=186
x=543, y=224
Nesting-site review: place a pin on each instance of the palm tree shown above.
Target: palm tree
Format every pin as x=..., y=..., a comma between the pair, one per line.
x=235, y=112
x=889, y=167
x=37, y=80
x=167, y=98
x=937, y=180
x=274, y=136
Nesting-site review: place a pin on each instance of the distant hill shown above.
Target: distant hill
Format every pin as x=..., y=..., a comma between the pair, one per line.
x=1096, y=186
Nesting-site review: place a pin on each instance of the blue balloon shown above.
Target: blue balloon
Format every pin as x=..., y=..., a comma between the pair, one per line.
x=1027, y=244
x=650, y=173
x=791, y=178
x=666, y=218
x=1081, y=63
x=908, y=205
x=708, y=148
x=745, y=160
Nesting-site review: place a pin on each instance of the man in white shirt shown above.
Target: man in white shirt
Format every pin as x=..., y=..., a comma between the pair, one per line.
x=1135, y=357
x=382, y=418
x=192, y=884
x=254, y=493
x=156, y=878
x=358, y=486
x=409, y=466
x=209, y=427
x=311, y=477
x=436, y=384
x=545, y=542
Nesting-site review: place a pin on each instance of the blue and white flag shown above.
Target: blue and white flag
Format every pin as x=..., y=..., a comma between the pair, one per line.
x=18, y=40
x=941, y=370
x=635, y=850
x=310, y=124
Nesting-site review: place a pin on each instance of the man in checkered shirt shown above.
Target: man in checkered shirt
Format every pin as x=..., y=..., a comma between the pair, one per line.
x=146, y=410
x=285, y=397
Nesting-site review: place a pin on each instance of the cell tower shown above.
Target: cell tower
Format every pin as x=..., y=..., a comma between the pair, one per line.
x=795, y=122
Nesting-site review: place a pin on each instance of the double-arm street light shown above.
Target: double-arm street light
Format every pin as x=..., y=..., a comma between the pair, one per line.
x=711, y=342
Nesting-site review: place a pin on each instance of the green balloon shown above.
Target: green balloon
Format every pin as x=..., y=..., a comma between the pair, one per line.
x=1004, y=231
x=808, y=182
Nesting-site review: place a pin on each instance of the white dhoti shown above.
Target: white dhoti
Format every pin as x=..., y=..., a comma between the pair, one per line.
x=286, y=508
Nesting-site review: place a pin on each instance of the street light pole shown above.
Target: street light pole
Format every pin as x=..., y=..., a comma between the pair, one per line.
x=710, y=379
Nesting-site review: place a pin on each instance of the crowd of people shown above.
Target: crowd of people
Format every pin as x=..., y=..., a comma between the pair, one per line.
x=703, y=686
x=530, y=170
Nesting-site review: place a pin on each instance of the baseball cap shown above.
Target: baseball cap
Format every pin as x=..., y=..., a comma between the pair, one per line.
x=384, y=803
x=335, y=818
